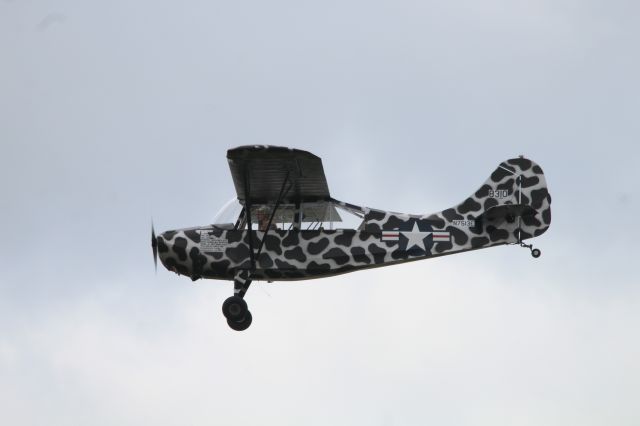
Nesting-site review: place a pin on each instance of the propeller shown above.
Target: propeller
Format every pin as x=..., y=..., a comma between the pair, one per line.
x=154, y=246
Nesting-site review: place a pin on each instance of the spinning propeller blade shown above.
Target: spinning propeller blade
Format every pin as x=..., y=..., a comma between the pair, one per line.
x=154, y=246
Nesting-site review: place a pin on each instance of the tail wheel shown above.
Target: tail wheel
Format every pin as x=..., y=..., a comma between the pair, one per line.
x=536, y=253
x=235, y=309
x=241, y=325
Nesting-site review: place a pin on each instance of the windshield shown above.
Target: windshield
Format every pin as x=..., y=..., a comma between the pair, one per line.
x=229, y=213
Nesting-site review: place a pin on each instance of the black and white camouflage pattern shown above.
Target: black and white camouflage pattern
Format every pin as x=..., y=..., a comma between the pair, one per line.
x=212, y=252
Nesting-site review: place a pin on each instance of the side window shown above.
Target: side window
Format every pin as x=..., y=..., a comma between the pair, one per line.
x=329, y=215
x=285, y=216
x=314, y=216
x=349, y=219
x=282, y=219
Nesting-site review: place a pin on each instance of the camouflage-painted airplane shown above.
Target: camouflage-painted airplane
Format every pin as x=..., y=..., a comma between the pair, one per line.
x=284, y=225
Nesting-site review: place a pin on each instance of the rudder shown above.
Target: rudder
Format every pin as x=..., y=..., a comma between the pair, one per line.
x=513, y=205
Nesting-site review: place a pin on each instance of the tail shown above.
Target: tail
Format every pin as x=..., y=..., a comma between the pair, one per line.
x=513, y=205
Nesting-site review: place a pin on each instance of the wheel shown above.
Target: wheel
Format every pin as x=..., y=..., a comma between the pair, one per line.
x=241, y=325
x=234, y=308
x=536, y=253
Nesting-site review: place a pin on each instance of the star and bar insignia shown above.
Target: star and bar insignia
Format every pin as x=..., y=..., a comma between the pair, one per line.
x=420, y=236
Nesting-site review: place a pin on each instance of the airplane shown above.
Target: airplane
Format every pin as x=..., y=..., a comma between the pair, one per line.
x=284, y=225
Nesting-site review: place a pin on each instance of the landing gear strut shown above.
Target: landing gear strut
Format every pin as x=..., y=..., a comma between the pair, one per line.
x=534, y=251
x=235, y=308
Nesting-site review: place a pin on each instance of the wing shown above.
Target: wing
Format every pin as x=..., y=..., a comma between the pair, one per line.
x=262, y=170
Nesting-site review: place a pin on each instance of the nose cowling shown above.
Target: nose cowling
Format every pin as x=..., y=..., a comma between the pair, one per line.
x=163, y=249
x=166, y=249
x=172, y=248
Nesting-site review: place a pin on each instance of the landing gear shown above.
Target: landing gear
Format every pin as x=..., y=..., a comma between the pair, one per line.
x=237, y=313
x=235, y=308
x=534, y=251
x=241, y=325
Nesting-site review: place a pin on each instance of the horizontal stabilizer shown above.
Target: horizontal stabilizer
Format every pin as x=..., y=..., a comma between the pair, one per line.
x=506, y=212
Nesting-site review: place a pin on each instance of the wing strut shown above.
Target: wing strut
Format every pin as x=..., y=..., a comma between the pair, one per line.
x=282, y=194
x=248, y=211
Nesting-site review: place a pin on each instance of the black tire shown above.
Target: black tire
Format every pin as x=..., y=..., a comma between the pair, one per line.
x=536, y=253
x=241, y=325
x=234, y=308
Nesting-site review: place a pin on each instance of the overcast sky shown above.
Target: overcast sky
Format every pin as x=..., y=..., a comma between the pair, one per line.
x=115, y=112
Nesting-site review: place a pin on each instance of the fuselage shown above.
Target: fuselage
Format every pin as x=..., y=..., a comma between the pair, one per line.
x=217, y=253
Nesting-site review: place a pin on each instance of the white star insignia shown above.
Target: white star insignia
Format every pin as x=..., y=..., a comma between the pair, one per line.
x=416, y=238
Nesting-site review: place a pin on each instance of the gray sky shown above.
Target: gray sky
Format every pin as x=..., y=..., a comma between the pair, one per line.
x=113, y=112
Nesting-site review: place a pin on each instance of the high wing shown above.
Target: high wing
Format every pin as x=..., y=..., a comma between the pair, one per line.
x=260, y=172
